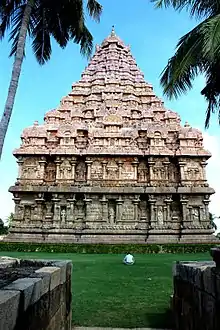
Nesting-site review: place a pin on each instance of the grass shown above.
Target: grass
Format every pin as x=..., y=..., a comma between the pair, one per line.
x=107, y=293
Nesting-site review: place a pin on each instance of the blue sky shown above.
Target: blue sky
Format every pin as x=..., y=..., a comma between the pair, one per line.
x=152, y=34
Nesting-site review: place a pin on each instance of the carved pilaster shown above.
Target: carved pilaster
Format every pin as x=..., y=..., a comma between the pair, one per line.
x=18, y=210
x=73, y=164
x=152, y=202
x=57, y=209
x=119, y=203
x=166, y=165
x=104, y=164
x=135, y=165
x=58, y=163
x=120, y=164
x=20, y=163
x=42, y=163
x=206, y=202
x=70, y=214
x=168, y=202
x=203, y=172
x=89, y=164
x=136, y=201
x=184, y=202
x=104, y=202
x=151, y=171
x=39, y=208
x=87, y=202
x=182, y=174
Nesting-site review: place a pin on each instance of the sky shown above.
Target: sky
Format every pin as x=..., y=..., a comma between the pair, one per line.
x=151, y=33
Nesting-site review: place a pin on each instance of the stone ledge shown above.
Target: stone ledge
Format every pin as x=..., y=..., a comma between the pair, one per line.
x=46, y=286
x=116, y=190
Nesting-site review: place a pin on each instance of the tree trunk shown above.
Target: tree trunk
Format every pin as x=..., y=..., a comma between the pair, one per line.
x=16, y=71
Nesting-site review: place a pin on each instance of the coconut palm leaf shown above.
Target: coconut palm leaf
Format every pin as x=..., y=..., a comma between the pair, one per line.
x=183, y=67
x=198, y=52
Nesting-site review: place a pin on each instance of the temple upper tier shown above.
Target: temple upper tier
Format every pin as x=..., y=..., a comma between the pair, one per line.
x=111, y=163
x=112, y=110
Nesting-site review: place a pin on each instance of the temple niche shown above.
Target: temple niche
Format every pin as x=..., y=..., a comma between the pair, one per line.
x=111, y=164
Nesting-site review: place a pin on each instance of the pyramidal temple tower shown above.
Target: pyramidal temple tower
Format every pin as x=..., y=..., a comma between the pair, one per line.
x=111, y=164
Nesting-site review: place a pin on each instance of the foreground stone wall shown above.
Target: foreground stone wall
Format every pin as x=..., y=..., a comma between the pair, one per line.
x=41, y=301
x=196, y=301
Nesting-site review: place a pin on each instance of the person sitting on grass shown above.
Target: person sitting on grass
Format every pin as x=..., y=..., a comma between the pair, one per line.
x=128, y=259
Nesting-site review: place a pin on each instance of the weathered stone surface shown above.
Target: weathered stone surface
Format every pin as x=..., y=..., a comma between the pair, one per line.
x=9, y=307
x=40, y=302
x=54, y=273
x=111, y=164
x=29, y=289
x=196, y=299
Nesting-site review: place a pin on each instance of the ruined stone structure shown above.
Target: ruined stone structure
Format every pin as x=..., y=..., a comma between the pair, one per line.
x=111, y=163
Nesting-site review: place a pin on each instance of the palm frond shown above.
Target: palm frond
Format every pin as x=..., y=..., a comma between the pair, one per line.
x=210, y=30
x=197, y=8
x=41, y=37
x=211, y=91
x=183, y=67
x=16, y=26
x=94, y=9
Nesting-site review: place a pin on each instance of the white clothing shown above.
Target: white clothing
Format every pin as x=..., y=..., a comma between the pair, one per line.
x=128, y=259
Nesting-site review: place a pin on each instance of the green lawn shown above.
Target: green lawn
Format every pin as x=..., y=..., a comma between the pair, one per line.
x=107, y=293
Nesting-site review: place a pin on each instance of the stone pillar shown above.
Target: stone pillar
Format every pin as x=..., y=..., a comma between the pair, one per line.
x=18, y=215
x=119, y=203
x=136, y=201
x=73, y=164
x=89, y=163
x=42, y=162
x=39, y=201
x=168, y=202
x=70, y=216
x=182, y=174
x=120, y=164
x=152, y=202
x=87, y=202
x=206, y=202
x=104, y=163
x=57, y=162
x=184, y=202
x=56, y=213
x=151, y=164
x=104, y=202
x=166, y=164
x=203, y=165
x=135, y=164
x=20, y=162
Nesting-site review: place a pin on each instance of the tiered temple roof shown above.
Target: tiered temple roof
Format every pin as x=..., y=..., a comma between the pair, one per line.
x=112, y=101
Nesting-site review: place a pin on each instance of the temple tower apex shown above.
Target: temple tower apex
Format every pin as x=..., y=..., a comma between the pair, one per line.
x=111, y=164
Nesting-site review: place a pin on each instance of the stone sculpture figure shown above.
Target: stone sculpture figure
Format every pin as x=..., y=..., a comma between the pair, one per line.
x=111, y=215
x=160, y=215
x=63, y=215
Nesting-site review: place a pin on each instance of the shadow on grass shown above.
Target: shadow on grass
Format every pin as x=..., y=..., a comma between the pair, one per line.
x=160, y=320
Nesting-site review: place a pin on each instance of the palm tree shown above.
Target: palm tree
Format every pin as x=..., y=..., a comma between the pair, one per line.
x=197, y=52
x=212, y=219
x=42, y=19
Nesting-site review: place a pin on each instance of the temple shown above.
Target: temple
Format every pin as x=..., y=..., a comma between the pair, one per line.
x=111, y=164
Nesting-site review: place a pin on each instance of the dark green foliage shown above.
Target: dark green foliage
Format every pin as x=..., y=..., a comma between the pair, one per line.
x=105, y=248
x=3, y=228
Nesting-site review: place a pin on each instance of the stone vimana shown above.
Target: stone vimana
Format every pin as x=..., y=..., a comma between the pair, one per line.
x=111, y=164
